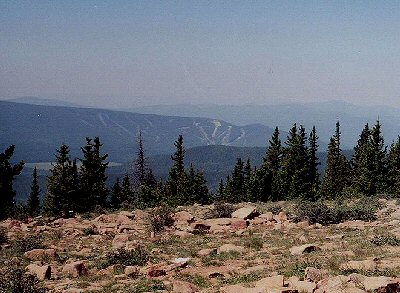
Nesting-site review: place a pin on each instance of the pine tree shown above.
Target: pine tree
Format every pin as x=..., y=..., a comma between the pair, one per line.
x=337, y=172
x=198, y=190
x=221, y=191
x=8, y=172
x=61, y=185
x=116, y=195
x=296, y=165
x=362, y=166
x=33, y=203
x=140, y=164
x=127, y=194
x=93, y=174
x=177, y=183
x=314, y=163
x=379, y=153
x=393, y=177
x=235, y=192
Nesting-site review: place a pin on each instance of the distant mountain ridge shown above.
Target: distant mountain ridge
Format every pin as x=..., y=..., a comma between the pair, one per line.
x=37, y=131
x=321, y=114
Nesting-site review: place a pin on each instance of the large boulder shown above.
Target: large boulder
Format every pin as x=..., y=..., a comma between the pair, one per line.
x=41, y=272
x=246, y=213
x=120, y=241
x=74, y=269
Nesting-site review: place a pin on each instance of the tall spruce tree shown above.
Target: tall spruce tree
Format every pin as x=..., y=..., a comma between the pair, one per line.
x=140, y=164
x=393, y=163
x=116, y=195
x=362, y=164
x=93, y=174
x=314, y=163
x=379, y=153
x=8, y=172
x=337, y=173
x=177, y=183
x=235, y=192
x=127, y=194
x=295, y=164
x=33, y=203
x=61, y=185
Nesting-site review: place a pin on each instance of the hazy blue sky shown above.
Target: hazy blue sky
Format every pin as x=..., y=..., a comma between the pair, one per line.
x=229, y=52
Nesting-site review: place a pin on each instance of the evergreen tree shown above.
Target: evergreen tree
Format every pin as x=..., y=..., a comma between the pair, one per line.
x=235, y=192
x=8, y=172
x=393, y=177
x=362, y=165
x=116, y=195
x=140, y=163
x=177, y=183
x=314, y=163
x=296, y=166
x=93, y=174
x=33, y=203
x=379, y=153
x=127, y=195
x=337, y=172
x=221, y=191
x=61, y=185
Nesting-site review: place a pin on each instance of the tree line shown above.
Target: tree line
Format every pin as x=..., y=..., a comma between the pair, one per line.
x=289, y=171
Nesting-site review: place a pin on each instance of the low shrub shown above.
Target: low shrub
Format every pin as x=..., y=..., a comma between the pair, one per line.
x=319, y=212
x=14, y=280
x=136, y=257
x=221, y=210
x=24, y=244
x=313, y=212
x=90, y=231
x=160, y=218
x=3, y=236
x=386, y=240
x=254, y=242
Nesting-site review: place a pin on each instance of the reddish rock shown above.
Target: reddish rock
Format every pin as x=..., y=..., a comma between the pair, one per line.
x=238, y=224
x=120, y=241
x=75, y=269
x=184, y=287
x=306, y=248
x=41, y=272
x=156, y=272
x=40, y=254
x=207, y=252
x=246, y=213
x=315, y=275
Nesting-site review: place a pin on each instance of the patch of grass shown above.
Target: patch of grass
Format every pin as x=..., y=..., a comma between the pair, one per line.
x=254, y=242
x=299, y=268
x=146, y=285
x=218, y=259
x=386, y=240
x=274, y=208
x=136, y=257
x=248, y=278
x=197, y=280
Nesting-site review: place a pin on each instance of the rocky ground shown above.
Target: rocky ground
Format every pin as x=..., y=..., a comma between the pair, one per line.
x=253, y=251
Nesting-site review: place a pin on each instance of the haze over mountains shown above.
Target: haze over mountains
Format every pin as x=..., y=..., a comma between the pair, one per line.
x=323, y=115
x=38, y=131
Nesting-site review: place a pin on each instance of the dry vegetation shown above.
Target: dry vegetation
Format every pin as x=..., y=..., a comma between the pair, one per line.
x=125, y=252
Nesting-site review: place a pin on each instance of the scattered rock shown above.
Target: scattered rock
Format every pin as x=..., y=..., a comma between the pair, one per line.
x=247, y=213
x=132, y=271
x=120, y=241
x=41, y=272
x=156, y=272
x=207, y=252
x=40, y=254
x=315, y=275
x=75, y=269
x=184, y=287
x=306, y=248
x=230, y=248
